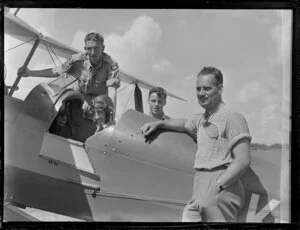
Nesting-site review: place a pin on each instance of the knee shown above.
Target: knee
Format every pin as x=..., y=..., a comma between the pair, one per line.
x=192, y=213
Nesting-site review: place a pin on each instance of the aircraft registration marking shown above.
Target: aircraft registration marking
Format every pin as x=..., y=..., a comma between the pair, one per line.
x=259, y=216
x=53, y=162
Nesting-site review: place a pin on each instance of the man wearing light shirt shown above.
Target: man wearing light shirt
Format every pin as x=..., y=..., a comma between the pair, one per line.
x=223, y=153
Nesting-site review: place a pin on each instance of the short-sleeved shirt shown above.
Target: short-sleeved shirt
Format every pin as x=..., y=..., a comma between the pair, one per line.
x=215, y=150
x=93, y=81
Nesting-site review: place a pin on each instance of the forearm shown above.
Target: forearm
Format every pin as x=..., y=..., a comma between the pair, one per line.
x=174, y=124
x=234, y=172
x=238, y=166
x=49, y=73
x=112, y=93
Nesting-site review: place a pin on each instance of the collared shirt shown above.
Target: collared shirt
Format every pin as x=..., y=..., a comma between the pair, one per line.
x=164, y=116
x=217, y=137
x=92, y=80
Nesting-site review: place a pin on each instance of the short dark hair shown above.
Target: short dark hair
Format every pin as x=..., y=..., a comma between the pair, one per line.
x=161, y=92
x=93, y=36
x=214, y=71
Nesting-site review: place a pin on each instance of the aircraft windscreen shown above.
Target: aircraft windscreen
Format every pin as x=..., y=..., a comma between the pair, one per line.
x=62, y=82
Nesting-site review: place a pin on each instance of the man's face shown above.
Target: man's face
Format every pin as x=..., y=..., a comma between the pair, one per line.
x=94, y=50
x=208, y=93
x=156, y=104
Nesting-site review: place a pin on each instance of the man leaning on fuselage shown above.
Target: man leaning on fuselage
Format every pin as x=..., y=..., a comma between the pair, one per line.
x=223, y=153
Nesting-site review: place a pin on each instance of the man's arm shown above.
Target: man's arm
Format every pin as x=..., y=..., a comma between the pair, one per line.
x=238, y=133
x=49, y=73
x=171, y=124
x=239, y=165
x=112, y=85
x=113, y=81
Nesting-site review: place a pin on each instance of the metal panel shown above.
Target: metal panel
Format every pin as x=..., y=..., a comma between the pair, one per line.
x=24, y=154
x=37, y=108
x=127, y=164
x=12, y=108
x=68, y=152
x=168, y=149
x=57, y=196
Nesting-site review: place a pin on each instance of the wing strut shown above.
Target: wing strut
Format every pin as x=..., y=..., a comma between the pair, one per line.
x=138, y=99
x=17, y=11
x=14, y=87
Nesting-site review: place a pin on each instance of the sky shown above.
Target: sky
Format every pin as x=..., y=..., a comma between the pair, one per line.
x=168, y=48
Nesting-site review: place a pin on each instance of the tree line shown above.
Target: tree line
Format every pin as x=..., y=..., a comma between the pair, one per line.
x=267, y=147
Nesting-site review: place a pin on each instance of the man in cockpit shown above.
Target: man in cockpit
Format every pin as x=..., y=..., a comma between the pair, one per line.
x=157, y=101
x=96, y=71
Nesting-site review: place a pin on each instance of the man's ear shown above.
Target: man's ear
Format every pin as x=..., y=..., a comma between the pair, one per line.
x=220, y=89
x=103, y=47
x=165, y=102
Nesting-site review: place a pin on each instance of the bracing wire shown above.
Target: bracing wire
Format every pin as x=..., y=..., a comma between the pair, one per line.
x=126, y=86
x=120, y=90
x=55, y=54
x=49, y=52
x=128, y=100
x=19, y=45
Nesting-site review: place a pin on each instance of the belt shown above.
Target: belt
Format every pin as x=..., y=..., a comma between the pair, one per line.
x=221, y=167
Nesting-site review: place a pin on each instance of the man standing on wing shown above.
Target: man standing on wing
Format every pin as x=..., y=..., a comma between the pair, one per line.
x=223, y=154
x=96, y=71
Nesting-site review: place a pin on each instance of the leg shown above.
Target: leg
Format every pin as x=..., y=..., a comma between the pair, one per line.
x=191, y=212
x=210, y=205
x=228, y=204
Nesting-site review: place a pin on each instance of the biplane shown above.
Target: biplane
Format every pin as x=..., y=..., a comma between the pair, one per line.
x=61, y=165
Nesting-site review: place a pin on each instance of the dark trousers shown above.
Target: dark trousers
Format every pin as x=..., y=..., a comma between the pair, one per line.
x=210, y=205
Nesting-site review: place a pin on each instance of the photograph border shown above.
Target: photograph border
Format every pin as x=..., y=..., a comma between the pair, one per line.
x=159, y=4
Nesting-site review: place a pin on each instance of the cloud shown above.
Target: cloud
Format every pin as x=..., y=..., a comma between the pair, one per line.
x=264, y=108
x=78, y=39
x=135, y=50
x=255, y=92
x=268, y=124
x=271, y=118
x=164, y=66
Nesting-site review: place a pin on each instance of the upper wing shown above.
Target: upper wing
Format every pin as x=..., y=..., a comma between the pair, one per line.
x=19, y=29
x=132, y=80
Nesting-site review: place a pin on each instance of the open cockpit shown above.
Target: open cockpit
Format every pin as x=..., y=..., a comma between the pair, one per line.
x=72, y=123
x=69, y=122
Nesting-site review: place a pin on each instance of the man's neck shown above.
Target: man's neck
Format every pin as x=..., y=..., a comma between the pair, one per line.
x=96, y=62
x=158, y=116
x=213, y=109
